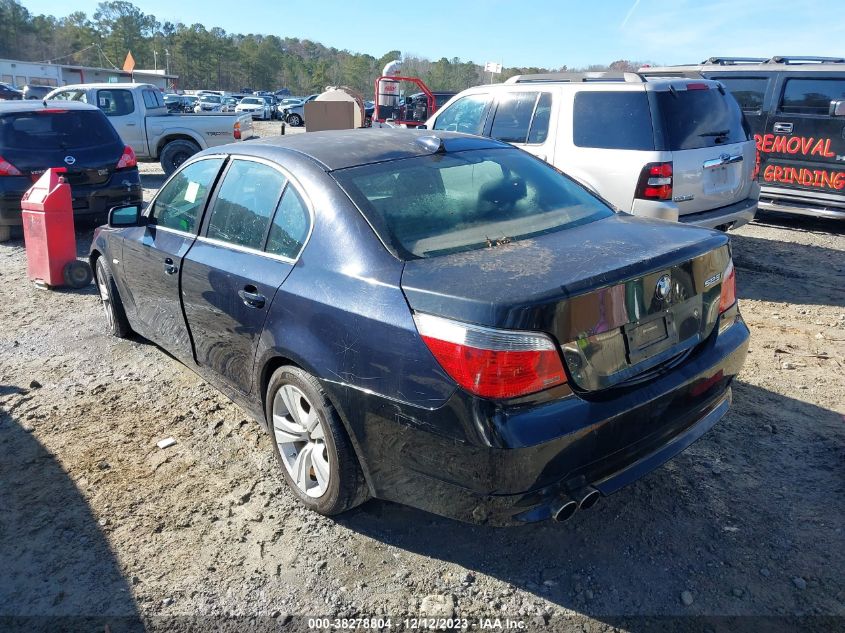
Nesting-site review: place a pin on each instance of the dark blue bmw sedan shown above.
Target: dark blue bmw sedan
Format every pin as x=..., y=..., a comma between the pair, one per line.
x=443, y=321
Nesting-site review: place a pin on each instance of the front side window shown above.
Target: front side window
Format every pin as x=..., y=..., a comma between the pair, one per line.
x=460, y=201
x=513, y=117
x=466, y=115
x=180, y=202
x=612, y=120
x=290, y=225
x=749, y=92
x=71, y=95
x=115, y=102
x=245, y=203
x=811, y=96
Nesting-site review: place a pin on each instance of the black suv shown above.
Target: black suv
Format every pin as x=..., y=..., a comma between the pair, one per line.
x=796, y=109
x=9, y=93
x=101, y=169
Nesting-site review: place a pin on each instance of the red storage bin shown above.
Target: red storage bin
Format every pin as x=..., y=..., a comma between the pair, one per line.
x=47, y=212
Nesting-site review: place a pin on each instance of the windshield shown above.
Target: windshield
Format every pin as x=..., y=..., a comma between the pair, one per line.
x=210, y=99
x=251, y=101
x=694, y=119
x=56, y=129
x=446, y=203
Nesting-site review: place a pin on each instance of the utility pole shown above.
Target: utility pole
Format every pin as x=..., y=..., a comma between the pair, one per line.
x=166, y=61
x=155, y=59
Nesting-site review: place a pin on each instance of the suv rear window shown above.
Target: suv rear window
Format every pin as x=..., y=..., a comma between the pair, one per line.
x=56, y=129
x=693, y=119
x=612, y=120
x=460, y=201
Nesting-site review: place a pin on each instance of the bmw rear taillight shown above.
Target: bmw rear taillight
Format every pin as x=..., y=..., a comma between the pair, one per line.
x=728, y=296
x=237, y=132
x=492, y=363
x=655, y=182
x=128, y=159
x=8, y=169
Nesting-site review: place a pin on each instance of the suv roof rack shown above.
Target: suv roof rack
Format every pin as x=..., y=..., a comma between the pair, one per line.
x=576, y=77
x=730, y=61
x=801, y=59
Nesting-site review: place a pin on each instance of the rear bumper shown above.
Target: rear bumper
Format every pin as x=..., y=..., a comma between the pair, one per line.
x=734, y=215
x=89, y=201
x=518, y=463
x=794, y=202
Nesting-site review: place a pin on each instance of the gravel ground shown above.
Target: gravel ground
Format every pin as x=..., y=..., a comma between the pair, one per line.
x=96, y=520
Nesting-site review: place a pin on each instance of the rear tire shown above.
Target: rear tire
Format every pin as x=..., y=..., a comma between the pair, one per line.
x=116, y=322
x=295, y=120
x=175, y=153
x=311, y=444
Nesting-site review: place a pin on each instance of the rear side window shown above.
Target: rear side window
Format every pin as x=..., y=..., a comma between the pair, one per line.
x=180, y=202
x=811, y=96
x=468, y=115
x=115, y=102
x=749, y=92
x=56, y=129
x=612, y=120
x=460, y=201
x=542, y=114
x=290, y=225
x=247, y=199
x=514, y=121
x=693, y=119
x=152, y=99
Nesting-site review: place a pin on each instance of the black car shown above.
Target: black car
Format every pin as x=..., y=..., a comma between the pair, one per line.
x=795, y=107
x=101, y=169
x=443, y=321
x=9, y=93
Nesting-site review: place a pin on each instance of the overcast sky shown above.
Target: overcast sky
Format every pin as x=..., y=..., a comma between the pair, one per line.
x=527, y=33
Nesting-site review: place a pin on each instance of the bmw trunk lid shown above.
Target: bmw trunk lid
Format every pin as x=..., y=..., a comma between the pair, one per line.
x=622, y=296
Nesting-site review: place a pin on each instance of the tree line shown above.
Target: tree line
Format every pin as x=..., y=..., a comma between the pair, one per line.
x=214, y=59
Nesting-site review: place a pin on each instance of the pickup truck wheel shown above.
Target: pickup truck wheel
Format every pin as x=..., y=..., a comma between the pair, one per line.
x=175, y=153
x=295, y=120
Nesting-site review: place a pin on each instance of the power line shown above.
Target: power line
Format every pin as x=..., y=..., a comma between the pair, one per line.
x=55, y=59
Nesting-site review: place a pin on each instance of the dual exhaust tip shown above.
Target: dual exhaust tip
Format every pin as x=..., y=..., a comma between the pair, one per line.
x=586, y=499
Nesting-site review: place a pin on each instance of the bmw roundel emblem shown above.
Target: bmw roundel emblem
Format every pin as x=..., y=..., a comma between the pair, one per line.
x=664, y=285
x=70, y=160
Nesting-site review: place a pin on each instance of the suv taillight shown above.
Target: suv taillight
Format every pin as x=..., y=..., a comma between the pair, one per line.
x=492, y=363
x=655, y=182
x=728, y=296
x=128, y=159
x=8, y=169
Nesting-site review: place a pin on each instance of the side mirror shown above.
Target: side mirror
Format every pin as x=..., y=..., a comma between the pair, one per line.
x=122, y=217
x=422, y=126
x=837, y=108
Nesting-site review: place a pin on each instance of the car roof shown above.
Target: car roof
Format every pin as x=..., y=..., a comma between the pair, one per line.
x=32, y=105
x=113, y=86
x=340, y=149
x=647, y=83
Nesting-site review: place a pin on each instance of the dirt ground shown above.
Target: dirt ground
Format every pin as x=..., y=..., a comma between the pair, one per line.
x=97, y=521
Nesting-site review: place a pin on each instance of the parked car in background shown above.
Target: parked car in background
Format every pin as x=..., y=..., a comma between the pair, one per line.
x=209, y=103
x=9, y=93
x=230, y=104
x=138, y=113
x=667, y=148
x=178, y=103
x=416, y=105
x=294, y=114
x=100, y=168
x=273, y=104
x=31, y=91
x=256, y=107
x=433, y=319
x=795, y=107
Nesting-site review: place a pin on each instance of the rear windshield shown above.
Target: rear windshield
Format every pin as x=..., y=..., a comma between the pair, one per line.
x=460, y=201
x=56, y=129
x=693, y=119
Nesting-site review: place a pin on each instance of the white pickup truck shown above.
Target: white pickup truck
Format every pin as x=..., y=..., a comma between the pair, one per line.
x=138, y=113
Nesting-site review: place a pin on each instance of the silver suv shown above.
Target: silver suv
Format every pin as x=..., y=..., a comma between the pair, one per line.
x=676, y=149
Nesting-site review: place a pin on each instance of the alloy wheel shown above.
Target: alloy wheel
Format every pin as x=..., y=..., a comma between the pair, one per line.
x=105, y=297
x=300, y=436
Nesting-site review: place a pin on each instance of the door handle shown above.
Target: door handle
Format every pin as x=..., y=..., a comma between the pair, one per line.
x=782, y=128
x=169, y=267
x=724, y=159
x=130, y=124
x=251, y=297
